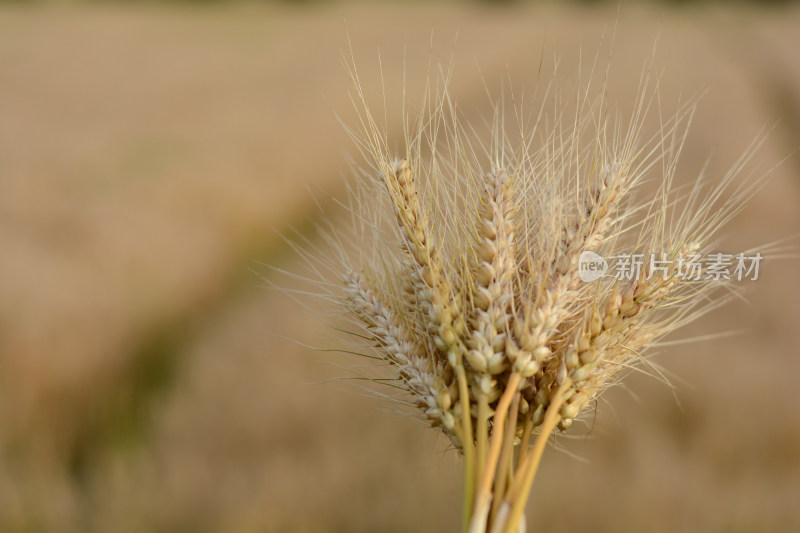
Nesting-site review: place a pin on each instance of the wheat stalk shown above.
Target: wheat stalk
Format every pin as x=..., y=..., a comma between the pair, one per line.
x=467, y=285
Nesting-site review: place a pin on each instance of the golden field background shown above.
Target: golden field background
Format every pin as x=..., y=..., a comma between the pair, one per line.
x=149, y=156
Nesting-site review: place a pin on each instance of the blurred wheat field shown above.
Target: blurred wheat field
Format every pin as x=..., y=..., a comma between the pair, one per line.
x=149, y=155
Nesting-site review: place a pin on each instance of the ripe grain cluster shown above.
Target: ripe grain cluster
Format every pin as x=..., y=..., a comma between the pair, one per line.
x=460, y=271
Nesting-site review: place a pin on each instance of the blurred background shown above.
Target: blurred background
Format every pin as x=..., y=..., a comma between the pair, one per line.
x=150, y=155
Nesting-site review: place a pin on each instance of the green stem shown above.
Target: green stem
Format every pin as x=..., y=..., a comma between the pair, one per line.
x=467, y=445
x=520, y=491
x=482, y=435
x=483, y=496
x=505, y=464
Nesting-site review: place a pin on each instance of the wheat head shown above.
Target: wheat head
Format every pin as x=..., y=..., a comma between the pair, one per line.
x=460, y=270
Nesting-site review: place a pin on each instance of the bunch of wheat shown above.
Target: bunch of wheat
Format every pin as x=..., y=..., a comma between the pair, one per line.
x=466, y=285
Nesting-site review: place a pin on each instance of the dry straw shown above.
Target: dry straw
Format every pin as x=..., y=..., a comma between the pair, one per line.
x=460, y=269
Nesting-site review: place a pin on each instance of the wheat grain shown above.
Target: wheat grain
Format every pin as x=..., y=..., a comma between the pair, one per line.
x=473, y=294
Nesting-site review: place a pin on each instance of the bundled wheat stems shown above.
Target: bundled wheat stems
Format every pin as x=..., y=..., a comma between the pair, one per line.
x=460, y=270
